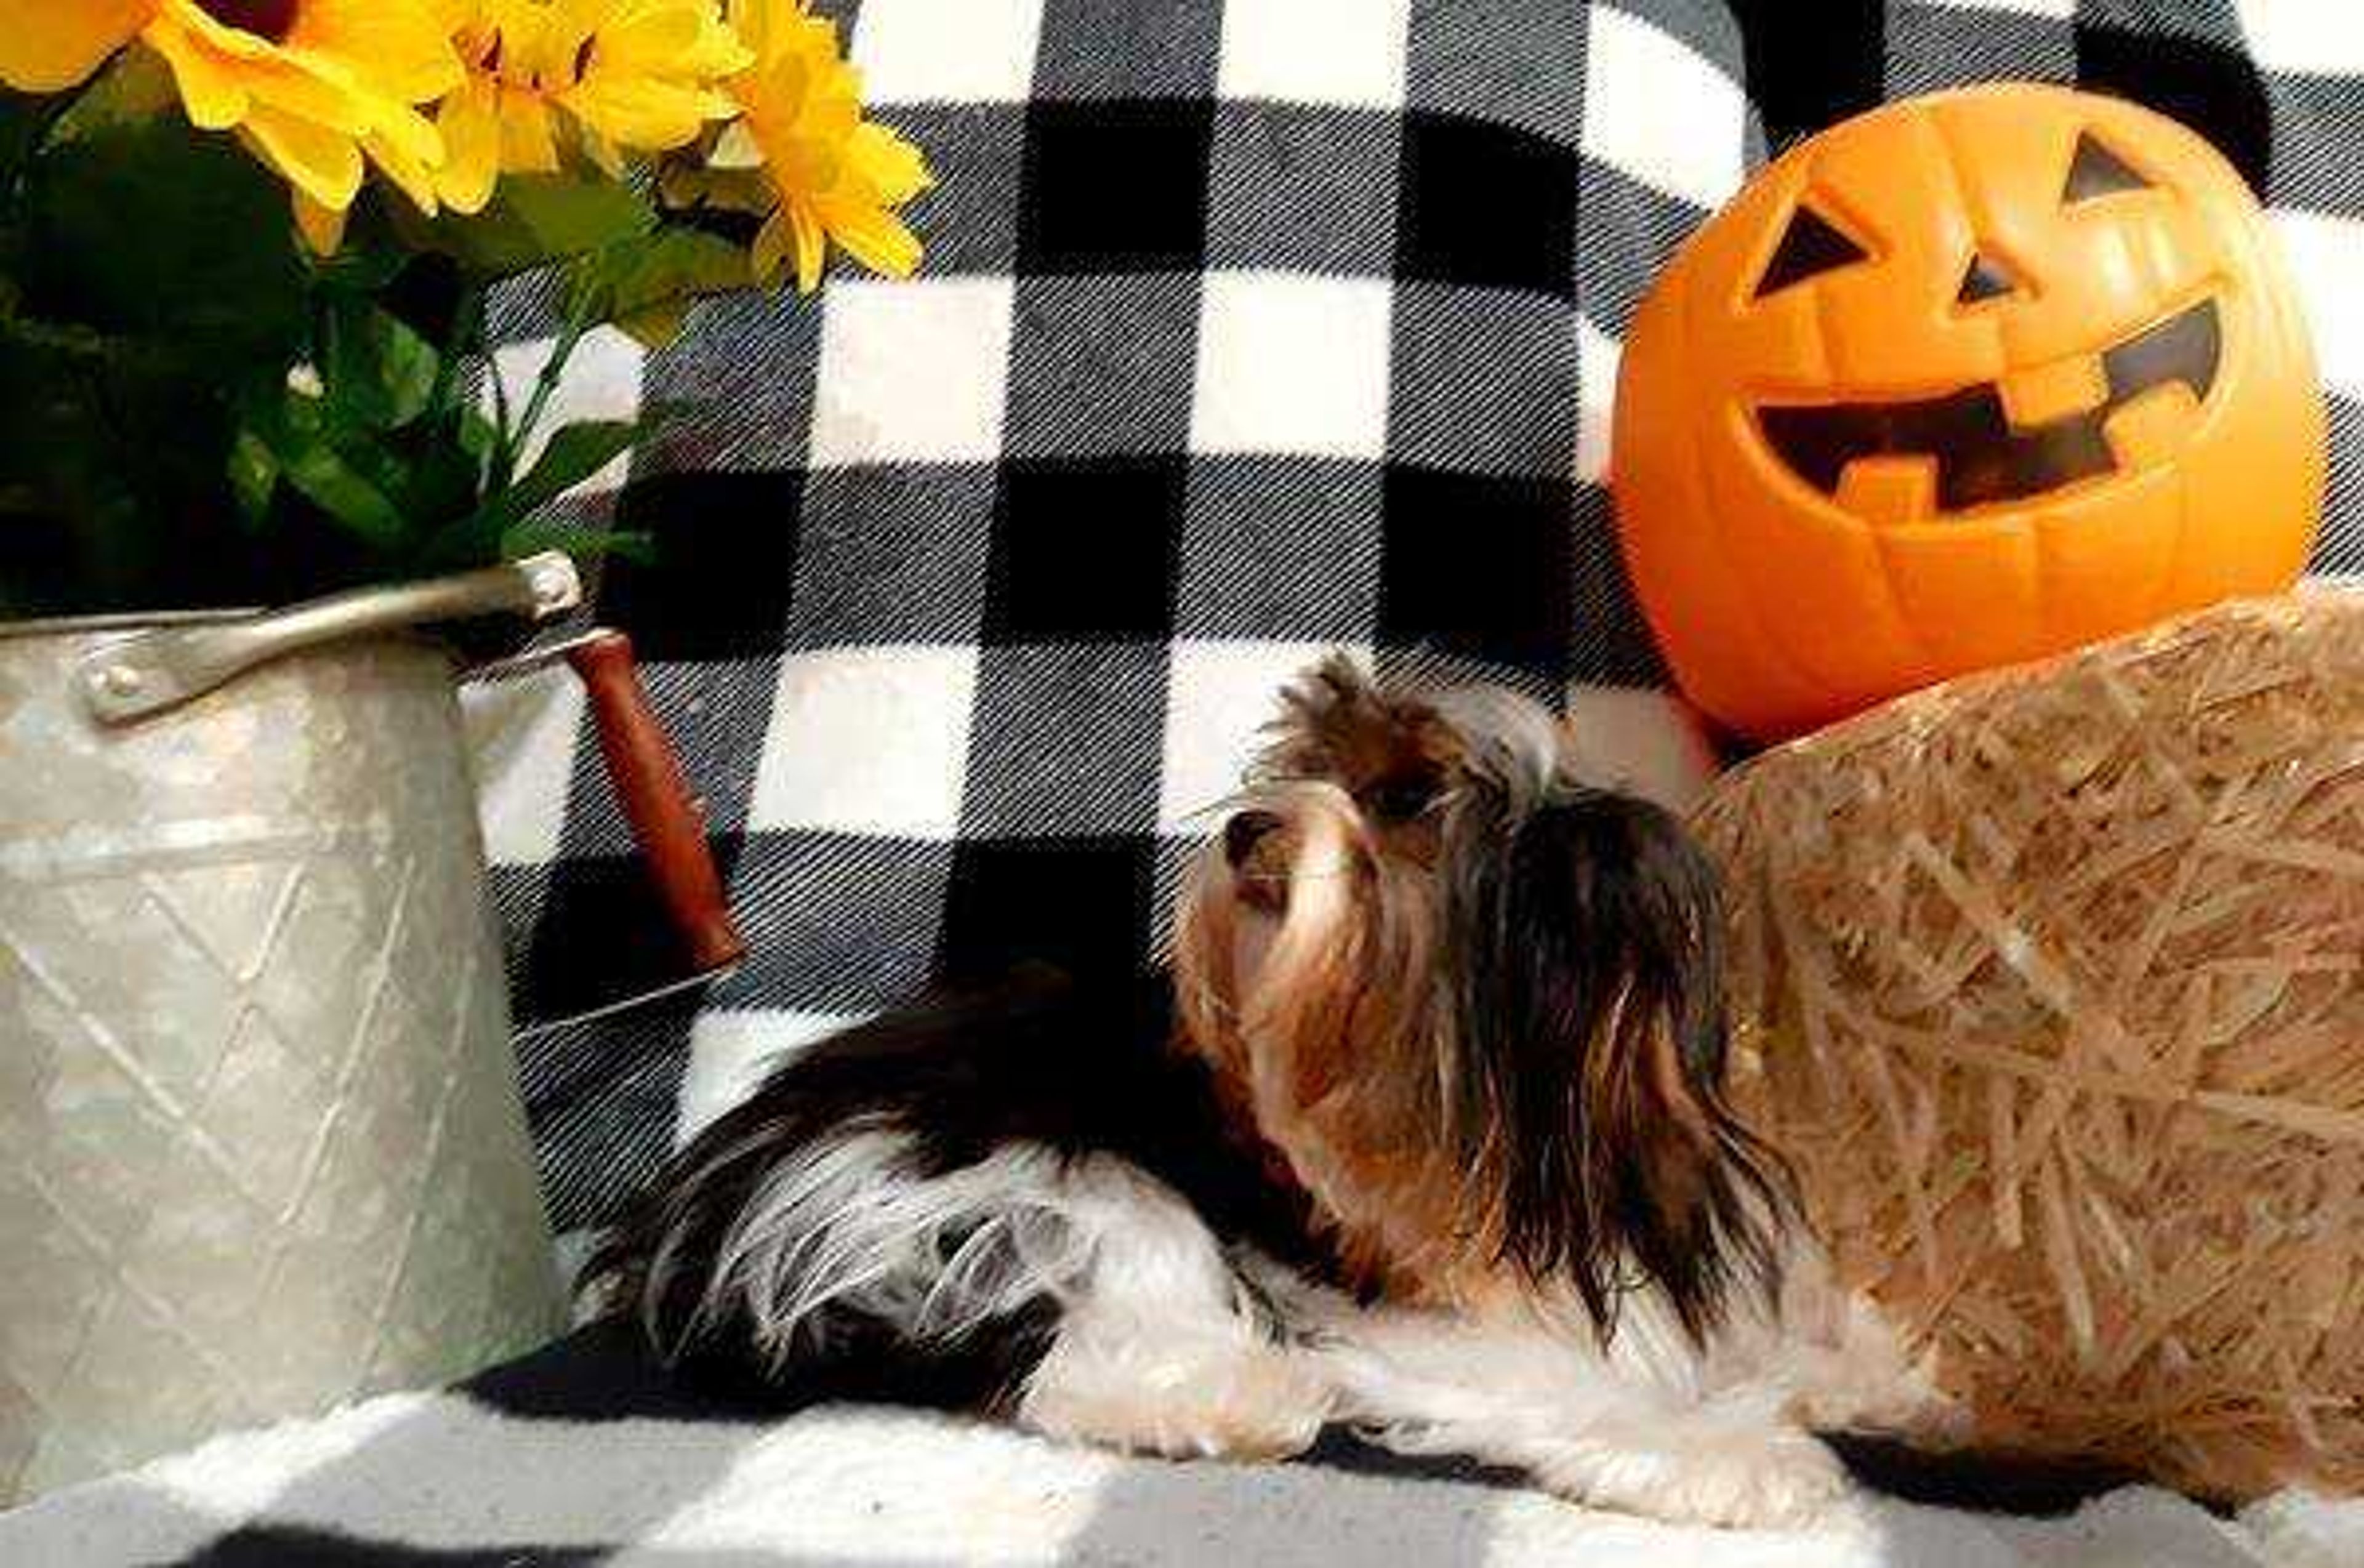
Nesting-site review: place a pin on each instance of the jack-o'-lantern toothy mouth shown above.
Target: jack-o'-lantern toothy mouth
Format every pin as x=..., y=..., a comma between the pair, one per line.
x=1979, y=456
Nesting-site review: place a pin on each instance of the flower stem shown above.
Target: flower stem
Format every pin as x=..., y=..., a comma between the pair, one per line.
x=467, y=332
x=553, y=371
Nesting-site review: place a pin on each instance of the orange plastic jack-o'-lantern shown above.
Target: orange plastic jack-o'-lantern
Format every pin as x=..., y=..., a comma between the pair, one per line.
x=1967, y=380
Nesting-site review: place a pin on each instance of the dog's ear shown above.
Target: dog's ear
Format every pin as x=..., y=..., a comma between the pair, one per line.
x=1593, y=1033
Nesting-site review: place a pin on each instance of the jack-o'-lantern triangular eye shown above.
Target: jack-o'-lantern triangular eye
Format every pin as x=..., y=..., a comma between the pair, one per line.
x=2096, y=171
x=1810, y=247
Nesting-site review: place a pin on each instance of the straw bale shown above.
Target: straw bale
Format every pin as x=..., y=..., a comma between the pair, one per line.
x=2050, y=984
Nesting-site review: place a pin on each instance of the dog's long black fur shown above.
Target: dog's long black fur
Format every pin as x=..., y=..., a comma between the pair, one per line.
x=1077, y=1067
x=1591, y=968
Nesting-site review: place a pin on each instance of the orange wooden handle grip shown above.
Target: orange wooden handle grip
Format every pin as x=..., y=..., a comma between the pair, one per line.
x=665, y=820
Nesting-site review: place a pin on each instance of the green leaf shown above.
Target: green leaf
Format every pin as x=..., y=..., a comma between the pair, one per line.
x=535, y=220
x=253, y=476
x=573, y=454
x=152, y=230
x=23, y=122
x=351, y=481
x=656, y=277
x=137, y=86
x=377, y=370
x=583, y=543
x=323, y=476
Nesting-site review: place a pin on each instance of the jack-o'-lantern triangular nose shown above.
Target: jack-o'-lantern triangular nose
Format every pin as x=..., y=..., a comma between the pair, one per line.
x=1986, y=278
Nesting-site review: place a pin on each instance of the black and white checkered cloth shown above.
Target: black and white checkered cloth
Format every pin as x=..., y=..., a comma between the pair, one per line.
x=584, y=1457
x=1247, y=329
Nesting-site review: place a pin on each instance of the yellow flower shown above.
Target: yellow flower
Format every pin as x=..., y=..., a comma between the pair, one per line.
x=622, y=74
x=802, y=155
x=315, y=87
x=48, y=47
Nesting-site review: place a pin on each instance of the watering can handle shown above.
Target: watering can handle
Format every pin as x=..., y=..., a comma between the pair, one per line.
x=158, y=670
x=655, y=797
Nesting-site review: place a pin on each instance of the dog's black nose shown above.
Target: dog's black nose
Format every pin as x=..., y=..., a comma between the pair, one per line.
x=1243, y=832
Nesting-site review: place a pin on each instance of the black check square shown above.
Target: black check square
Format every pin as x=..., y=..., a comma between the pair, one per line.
x=2195, y=73
x=718, y=582
x=1080, y=904
x=604, y=936
x=1083, y=549
x=1115, y=186
x=1485, y=206
x=1477, y=567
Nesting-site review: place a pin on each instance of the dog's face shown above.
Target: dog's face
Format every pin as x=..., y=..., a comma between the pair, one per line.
x=1475, y=1006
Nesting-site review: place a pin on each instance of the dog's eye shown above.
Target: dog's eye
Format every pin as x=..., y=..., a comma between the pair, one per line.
x=1810, y=247
x=1400, y=798
x=2098, y=172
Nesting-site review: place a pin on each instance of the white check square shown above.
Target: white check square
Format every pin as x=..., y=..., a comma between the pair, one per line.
x=1349, y=52
x=911, y=371
x=947, y=52
x=868, y=741
x=1659, y=112
x=1292, y=363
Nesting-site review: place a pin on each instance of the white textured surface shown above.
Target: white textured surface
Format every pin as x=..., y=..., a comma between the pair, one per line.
x=851, y=1486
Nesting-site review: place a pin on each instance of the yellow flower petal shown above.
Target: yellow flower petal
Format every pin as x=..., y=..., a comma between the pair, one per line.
x=471, y=123
x=412, y=175
x=833, y=176
x=646, y=113
x=323, y=165
x=312, y=96
x=211, y=32
x=214, y=95
x=398, y=46
x=873, y=235
x=812, y=246
x=331, y=91
x=323, y=227
x=529, y=140
x=893, y=167
x=48, y=45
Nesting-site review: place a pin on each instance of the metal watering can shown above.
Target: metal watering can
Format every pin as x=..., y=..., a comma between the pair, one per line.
x=262, y=1148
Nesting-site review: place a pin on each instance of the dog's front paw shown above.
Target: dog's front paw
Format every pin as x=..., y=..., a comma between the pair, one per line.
x=1777, y=1479
x=1242, y=1404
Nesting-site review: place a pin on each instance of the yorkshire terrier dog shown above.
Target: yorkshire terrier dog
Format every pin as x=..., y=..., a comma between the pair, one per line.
x=1423, y=1136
